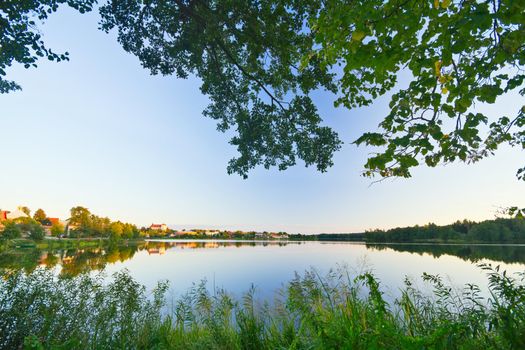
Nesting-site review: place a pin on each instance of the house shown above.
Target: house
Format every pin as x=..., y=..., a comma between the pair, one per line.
x=212, y=232
x=156, y=250
x=3, y=217
x=184, y=233
x=159, y=227
x=279, y=236
x=12, y=215
x=49, y=224
x=70, y=227
x=54, y=221
x=261, y=235
x=211, y=245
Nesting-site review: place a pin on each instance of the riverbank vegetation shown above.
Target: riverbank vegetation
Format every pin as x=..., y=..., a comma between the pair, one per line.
x=81, y=224
x=42, y=311
x=490, y=231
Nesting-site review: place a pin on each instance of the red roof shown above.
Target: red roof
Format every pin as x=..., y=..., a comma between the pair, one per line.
x=54, y=220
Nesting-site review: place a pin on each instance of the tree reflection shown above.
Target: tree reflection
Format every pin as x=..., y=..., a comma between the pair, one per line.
x=72, y=262
x=472, y=253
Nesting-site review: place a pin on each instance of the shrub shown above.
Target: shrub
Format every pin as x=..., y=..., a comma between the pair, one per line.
x=36, y=232
x=11, y=231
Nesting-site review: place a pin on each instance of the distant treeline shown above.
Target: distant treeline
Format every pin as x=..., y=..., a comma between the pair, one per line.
x=490, y=231
x=356, y=237
x=340, y=237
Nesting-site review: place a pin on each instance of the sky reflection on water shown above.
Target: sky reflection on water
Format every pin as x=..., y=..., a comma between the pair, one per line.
x=235, y=266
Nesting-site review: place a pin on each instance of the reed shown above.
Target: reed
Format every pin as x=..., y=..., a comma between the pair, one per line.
x=42, y=311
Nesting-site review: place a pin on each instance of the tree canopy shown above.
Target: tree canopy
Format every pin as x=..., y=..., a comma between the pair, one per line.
x=89, y=225
x=20, y=39
x=260, y=62
x=459, y=54
x=40, y=216
x=25, y=210
x=500, y=230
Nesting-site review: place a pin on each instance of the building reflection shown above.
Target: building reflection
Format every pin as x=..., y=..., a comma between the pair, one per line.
x=71, y=262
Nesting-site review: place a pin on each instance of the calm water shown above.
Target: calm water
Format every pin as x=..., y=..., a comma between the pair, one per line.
x=235, y=266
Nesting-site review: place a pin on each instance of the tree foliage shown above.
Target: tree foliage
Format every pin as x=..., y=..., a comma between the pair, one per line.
x=247, y=55
x=261, y=61
x=25, y=210
x=20, y=39
x=518, y=213
x=459, y=54
x=87, y=224
x=57, y=229
x=40, y=215
x=23, y=226
x=490, y=231
x=36, y=231
x=11, y=231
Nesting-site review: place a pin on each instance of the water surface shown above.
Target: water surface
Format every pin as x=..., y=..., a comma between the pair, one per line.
x=236, y=265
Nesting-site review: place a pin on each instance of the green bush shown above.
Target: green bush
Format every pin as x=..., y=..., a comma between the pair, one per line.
x=36, y=232
x=14, y=229
x=11, y=231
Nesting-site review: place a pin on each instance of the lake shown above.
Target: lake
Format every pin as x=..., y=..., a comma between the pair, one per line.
x=236, y=265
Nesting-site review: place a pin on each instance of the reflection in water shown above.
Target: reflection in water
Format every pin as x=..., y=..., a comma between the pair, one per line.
x=472, y=253
x=75, y=261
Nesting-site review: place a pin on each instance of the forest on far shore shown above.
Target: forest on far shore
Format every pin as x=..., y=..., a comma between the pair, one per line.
x=490, y=231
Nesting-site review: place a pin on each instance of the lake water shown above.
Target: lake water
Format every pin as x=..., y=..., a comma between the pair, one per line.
x=236, y=265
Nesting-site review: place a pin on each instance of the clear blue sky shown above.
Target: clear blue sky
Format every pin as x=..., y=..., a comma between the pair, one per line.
x=100, y=132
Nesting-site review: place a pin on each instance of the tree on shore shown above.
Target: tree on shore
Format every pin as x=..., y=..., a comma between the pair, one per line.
x=116, y=230
x=501, y=230
x=57, y=229
x=11, y=231
x=40, y=216
x=36, y=231
x=80, y=216
x=90, y=225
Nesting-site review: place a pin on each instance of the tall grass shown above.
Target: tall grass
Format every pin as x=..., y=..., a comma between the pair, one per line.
x=42, y=311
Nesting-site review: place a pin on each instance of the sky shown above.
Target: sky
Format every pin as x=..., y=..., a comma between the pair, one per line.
x=101, y=132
